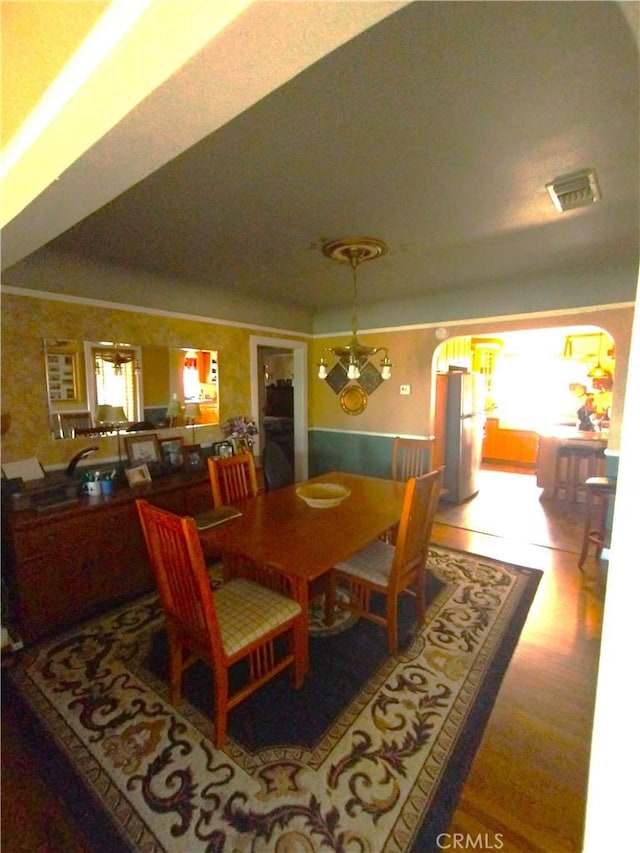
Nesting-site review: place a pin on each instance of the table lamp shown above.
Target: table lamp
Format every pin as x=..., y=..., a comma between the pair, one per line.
x=192, y=412
x=174, y=410
x=105, y=415
x=114, y=417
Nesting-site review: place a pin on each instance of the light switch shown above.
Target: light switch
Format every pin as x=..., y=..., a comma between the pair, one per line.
x=405, y=389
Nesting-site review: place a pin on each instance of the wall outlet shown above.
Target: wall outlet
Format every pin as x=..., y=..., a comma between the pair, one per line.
x=405, y=389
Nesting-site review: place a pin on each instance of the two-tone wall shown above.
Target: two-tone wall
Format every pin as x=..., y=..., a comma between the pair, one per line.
x=75, y=298
x=336, y=440
x=363, y=442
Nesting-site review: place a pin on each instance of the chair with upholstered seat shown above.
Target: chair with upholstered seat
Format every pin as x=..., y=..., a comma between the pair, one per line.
x=412, y=457
x=276, y=468
x=391, y=570
x=239, y=621
x=232, y=478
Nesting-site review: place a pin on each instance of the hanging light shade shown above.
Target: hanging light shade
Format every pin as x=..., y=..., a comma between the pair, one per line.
x=598, y=371
x=355, y=250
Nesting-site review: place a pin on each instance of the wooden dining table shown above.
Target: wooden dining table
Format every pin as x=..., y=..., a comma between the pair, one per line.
x=278, y=529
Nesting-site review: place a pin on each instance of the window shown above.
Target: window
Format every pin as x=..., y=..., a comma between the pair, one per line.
x=115, y=377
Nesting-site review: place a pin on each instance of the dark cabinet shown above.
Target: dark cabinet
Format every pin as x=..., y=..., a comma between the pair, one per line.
x=67, y=565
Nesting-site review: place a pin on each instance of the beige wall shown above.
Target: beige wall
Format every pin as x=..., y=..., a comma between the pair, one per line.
x=412, y=353
x=386, y=410
x=27, y=320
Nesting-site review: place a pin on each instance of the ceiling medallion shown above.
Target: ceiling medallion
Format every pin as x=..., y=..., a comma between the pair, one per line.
x=362, y=248
x=354, y=251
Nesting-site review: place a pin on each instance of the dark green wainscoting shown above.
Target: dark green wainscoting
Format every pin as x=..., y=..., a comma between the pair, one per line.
x=352, y=452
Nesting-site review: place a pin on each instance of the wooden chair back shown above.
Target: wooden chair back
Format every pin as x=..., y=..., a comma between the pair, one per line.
x=412, y=457
x=181, y=575
x=183, y=582
x=416, y=525
x=241, y=620
x=232, y=478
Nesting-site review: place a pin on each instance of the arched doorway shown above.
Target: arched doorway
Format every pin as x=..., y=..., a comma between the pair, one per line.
x=534, y=380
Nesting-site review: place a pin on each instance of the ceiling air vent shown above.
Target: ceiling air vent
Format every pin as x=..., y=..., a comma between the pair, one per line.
x=577, y=190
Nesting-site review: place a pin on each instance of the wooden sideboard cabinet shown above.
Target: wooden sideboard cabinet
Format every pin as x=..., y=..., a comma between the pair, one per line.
x=69, y=564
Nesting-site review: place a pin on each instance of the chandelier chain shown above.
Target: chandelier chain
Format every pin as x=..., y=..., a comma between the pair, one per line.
x=355, y=355
x=354, y=258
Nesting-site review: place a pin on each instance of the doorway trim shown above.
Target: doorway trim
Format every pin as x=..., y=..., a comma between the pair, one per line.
x=300, y=396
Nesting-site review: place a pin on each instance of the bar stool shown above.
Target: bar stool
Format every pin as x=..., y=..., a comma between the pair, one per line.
x=574, y=464
x=600, y=490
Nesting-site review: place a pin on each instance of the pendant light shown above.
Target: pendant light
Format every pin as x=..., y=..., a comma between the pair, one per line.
x=599, y=372
x=355, y=250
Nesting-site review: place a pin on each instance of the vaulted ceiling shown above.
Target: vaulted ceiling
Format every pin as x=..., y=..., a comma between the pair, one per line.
x=435, y=127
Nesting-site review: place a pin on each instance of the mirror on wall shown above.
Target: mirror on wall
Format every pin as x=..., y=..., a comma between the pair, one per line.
x=102, y=386
x=66, y=386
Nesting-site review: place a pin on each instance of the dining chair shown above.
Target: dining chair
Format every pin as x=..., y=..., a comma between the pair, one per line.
x=412, y=457
x=391, y=570
x=276, y=468
x=239, y=621
x=232, y=478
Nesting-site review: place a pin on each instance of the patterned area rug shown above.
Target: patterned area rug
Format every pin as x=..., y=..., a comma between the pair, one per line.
x=369, y=755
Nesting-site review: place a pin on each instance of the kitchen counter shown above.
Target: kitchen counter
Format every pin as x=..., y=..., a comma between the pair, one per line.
x=561, y=436
x=562, y=433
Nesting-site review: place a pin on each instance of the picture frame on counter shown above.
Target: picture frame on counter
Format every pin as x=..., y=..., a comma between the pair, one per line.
x=172, y=451
x=143, y=449
x=193, y=458
x=223, y=449
x=240, y=445
x=138, y=476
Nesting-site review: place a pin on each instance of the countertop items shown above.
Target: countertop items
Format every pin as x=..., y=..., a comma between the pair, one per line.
x=565, y=433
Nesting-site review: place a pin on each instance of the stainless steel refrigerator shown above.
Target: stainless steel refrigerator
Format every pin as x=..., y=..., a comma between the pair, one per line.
x=460, y=397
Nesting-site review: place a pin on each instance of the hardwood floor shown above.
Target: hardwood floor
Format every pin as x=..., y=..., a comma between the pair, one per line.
x=527, y=788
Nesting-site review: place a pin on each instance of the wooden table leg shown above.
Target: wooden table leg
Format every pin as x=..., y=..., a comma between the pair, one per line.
x=300, y=592
x=330, y=601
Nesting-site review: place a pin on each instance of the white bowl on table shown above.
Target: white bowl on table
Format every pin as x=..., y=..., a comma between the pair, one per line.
x=323, y=495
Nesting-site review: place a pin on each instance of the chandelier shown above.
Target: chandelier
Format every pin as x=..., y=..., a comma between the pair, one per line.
x=118, y=358
x=355, y=250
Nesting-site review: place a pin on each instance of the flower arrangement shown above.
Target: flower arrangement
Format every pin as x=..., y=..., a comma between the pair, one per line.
x=240, y=428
